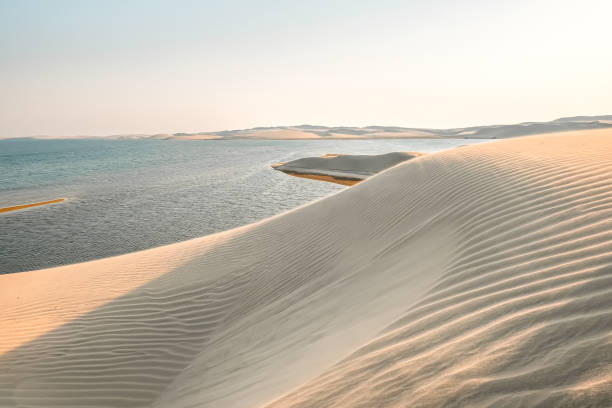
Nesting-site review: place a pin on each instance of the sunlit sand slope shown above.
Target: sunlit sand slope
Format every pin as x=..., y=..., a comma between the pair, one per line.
x=480, y=276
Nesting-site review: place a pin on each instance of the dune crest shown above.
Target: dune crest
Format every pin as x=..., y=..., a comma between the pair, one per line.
x=479, y=276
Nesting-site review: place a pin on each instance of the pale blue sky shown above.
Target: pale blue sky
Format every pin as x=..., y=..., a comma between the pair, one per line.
x=109, y=67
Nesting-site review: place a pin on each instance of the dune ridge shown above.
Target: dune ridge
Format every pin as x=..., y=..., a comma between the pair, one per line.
x=479, y=276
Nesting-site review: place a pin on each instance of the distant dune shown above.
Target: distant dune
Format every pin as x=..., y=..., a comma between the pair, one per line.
x=385, y=132
x=474, y=277
x=343, y=169
x=607, y=118
x=393, y=132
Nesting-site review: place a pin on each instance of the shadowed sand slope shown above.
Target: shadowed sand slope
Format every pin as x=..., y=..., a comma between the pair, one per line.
x=348, y=167
x=480, y=276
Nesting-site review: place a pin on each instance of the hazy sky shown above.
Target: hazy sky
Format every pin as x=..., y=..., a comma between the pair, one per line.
x=109, y=67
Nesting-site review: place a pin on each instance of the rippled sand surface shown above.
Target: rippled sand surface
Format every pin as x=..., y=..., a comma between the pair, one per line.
x=479, y=276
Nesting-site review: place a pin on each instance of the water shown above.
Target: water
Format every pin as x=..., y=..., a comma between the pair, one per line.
x=124, y=196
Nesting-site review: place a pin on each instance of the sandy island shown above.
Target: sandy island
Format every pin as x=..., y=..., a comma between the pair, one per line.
x=473, y=277
x=343, y=169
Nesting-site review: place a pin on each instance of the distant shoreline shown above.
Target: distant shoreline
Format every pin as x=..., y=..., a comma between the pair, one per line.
x=316, y=132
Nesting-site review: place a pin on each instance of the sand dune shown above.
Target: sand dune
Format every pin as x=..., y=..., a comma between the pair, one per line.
x=479, y=276
x=379, y=132
x=339, y=167
x=394, y=132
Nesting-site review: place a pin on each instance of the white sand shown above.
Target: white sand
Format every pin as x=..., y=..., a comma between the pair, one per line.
x=479, y=276
x=354, y=167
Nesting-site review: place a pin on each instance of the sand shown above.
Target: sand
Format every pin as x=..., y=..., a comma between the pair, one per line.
x=329, y=179
x=23, y=206
x=343, y=169
x=379, y=132
x=395, y=132
x=479, y=276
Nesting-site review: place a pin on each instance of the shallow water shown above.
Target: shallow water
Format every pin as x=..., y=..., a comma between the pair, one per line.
x=124, y=196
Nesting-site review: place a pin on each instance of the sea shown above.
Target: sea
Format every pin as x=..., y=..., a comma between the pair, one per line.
x=128, y=195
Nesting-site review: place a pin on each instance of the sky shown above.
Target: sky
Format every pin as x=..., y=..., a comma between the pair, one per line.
x=147, y=66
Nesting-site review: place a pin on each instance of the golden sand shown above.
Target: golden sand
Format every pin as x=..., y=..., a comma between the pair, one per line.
x=21, y=207
x=329, y=179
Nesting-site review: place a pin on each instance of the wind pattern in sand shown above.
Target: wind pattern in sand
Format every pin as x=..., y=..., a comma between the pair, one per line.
x=479, y=276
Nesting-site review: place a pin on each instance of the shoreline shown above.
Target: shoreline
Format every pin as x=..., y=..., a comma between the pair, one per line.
x=23, y=206
x=345, y=181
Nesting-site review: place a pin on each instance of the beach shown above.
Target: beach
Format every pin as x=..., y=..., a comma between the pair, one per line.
x=478, y=276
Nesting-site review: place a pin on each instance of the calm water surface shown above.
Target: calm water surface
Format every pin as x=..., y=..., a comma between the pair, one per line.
x=124, y=196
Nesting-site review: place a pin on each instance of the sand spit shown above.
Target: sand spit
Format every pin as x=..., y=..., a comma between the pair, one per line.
x=478, y=277
x=343, y=169
x=328, y=179
x=22, y=206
